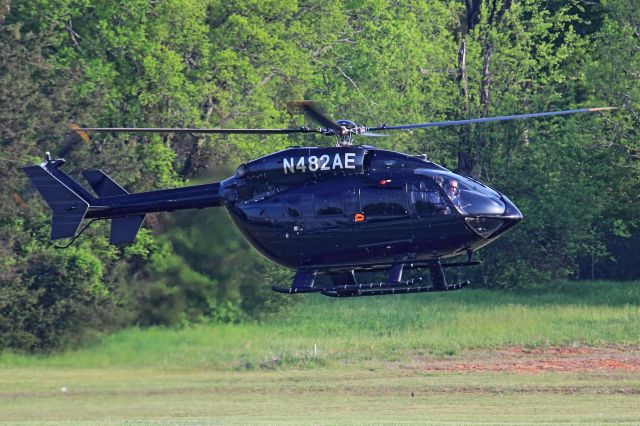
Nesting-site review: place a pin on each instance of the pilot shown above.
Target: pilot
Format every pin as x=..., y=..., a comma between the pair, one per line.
x=453, y=191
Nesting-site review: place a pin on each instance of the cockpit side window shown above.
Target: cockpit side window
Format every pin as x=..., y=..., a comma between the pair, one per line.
x=468, y=197
x=456, y=191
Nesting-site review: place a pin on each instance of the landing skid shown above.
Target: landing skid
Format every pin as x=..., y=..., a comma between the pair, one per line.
x=304, y=283
x=400, y=290
x=371, y=289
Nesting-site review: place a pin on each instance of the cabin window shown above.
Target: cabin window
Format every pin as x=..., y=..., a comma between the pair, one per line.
x=383, y=201
x=427, y=200
x=293, y=211
x=271, y=210
x=328, y=204
x=268, y=211
x=293, y=206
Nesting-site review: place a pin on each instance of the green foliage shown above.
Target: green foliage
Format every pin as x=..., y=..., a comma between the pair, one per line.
x=54, y=299
x=158, y=160
x=202, y=270
x=169, y=292
x=386, y=329
x=560, y=172
x=48, y=298
x=236, y=64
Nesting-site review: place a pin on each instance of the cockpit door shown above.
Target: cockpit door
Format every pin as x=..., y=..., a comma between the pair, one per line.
x=434, y=220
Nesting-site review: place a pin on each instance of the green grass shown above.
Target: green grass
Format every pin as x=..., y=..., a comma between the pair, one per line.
x=371, y=356
x=154, y=396
x=324, y=332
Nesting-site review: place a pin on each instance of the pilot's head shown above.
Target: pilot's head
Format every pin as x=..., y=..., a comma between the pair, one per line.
x=453, y=190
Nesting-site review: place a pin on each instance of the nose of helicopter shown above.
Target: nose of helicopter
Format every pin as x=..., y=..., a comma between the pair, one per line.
x=511, y=215
x=490, y=225
x=511, y=211
x=487, y=212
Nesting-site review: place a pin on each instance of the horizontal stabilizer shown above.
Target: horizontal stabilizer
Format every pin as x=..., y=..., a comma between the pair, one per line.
x=102, y=184
x=125, y=229
x=68, y=207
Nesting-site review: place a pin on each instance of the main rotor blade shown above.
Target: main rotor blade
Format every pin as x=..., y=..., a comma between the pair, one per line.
x=488, y=119
x=312, y=110
x=78, y=131
x=195, y=130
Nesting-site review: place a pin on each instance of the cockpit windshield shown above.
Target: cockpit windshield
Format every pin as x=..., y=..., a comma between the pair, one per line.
x=470, y=197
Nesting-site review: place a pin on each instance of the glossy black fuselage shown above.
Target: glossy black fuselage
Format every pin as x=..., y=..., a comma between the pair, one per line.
x=367, y=216
x=324, y=209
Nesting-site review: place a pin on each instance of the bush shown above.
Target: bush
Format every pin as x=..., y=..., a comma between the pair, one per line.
x=53, y=300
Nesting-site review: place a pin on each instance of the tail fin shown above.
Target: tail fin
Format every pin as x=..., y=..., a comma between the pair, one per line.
x=68, y=205
x=70, y=202
x=123, y=229
x=102, y=184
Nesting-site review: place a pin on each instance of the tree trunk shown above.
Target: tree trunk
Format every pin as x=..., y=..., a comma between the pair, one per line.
x=484, y=108
x=464, y=148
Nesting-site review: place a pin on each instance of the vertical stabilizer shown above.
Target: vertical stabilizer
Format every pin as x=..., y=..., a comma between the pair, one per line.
x=102, y=184
x=125, y=229
x=68, y=207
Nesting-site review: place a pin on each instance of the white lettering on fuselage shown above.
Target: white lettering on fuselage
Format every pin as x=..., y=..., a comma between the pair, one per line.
x=313, y=163
x=288, y=167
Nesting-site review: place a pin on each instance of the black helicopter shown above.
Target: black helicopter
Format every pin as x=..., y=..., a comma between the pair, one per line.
x=333, y=211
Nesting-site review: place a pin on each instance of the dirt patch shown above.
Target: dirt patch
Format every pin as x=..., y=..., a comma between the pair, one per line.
x=540, y=359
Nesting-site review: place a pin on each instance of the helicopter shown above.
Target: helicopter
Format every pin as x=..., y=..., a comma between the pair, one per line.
x=336, y=211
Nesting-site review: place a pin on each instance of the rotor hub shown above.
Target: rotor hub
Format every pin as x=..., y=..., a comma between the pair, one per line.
x=348, y=129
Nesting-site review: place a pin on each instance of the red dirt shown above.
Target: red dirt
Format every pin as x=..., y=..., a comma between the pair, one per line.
x=542, y=359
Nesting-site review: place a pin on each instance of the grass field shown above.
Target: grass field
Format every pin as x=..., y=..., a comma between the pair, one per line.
x=314, y=396
x=567, y=353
